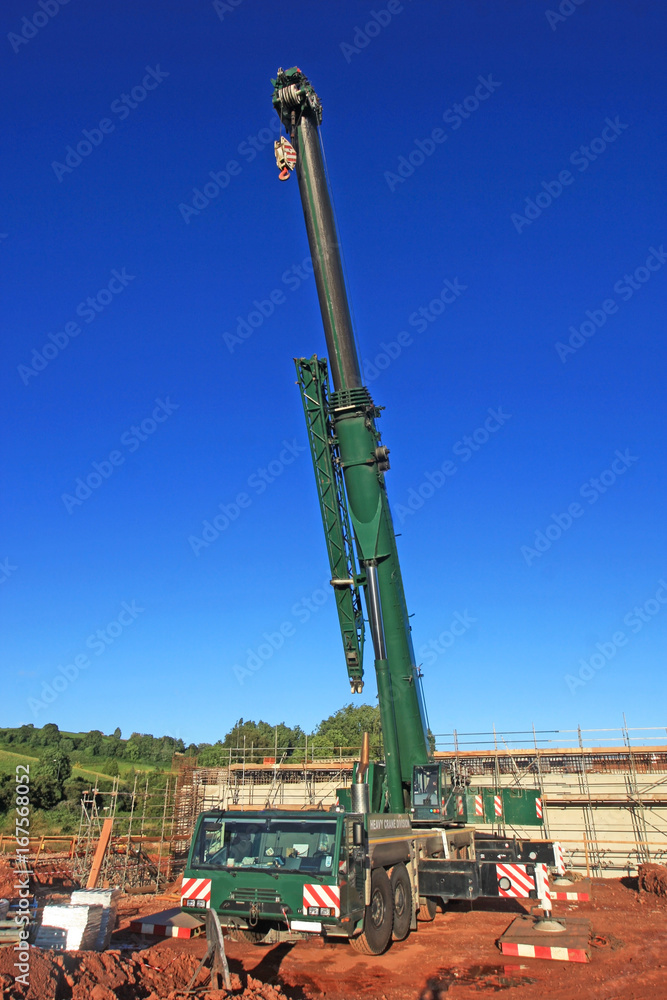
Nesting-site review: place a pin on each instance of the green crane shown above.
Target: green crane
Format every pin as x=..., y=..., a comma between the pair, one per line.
x=350, y=462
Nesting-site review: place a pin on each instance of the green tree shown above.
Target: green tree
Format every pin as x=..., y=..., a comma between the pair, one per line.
x=7, y=792
x=54, y=764
x=93, y=743
x=343, y=731
x=50, y=734
x=117, y=733
x=45, y=791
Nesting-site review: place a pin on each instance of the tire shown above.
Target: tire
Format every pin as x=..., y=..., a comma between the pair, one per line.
x=402, y=893
x=378, y=918
x=428, y=907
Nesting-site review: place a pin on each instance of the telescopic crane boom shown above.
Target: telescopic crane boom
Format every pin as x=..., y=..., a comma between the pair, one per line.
x=350, y=461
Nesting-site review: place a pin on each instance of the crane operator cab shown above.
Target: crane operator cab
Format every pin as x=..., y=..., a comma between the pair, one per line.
x=428, y=795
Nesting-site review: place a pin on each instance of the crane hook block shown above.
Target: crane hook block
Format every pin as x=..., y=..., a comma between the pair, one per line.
x=285, y=157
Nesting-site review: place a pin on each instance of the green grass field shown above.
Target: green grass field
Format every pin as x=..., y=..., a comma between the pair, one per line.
x=9, y=759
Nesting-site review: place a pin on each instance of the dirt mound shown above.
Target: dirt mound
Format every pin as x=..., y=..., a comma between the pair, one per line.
x=653, y=878
x=112, y=975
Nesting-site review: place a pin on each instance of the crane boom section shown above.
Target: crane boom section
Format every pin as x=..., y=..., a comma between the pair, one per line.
x=359, y=452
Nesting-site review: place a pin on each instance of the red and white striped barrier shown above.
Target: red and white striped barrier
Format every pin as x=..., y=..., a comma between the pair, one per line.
x=498, y=805
x=570, y=897
x=543, y=951
x=479, y=805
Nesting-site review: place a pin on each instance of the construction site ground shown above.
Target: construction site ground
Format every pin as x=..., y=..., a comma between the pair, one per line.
x=456, y=956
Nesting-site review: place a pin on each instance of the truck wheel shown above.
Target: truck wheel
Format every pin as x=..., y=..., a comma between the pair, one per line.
x=378, y=918
x=428, y=907
x=400, y=885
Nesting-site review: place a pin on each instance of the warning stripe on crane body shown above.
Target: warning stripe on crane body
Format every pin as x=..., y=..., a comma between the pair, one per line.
x=479, y=806
x=538, y=808
x=327, y=896
x=559, y=859
x=498, y=805
x=196, y=888
x=521, y=884
x=459, y=805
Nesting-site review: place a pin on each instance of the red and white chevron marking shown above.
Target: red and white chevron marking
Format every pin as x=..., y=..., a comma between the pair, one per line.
x=559, y=859
x=459, y=805
x=521, y=883
x=196, y=888
x=543, y=951
x=321, y=895
x=542, y=883
x=538, y=808
x=498, y=805
x=479, y=806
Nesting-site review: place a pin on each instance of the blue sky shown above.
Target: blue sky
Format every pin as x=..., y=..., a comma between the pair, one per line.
x=497, y=174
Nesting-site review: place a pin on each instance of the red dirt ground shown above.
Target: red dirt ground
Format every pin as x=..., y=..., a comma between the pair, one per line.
x=454, y=958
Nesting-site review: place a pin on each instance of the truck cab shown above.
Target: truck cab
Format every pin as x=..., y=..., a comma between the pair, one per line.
x=276, y=875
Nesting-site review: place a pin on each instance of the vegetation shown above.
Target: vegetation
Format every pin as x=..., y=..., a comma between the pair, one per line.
x=63, y=764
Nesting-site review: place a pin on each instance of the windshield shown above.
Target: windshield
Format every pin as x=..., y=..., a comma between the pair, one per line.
x=292, y=845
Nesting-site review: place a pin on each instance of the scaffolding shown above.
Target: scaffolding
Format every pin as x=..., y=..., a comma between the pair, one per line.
x=604, y=797
x=142, y=820
x=604, y=791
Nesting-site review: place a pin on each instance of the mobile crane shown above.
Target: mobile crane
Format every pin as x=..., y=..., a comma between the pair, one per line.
x=398, y=841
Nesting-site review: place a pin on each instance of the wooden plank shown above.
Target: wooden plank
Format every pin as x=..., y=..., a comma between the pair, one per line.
x=100, y=851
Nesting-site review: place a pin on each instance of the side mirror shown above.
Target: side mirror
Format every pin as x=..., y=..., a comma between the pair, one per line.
x=358, y=834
